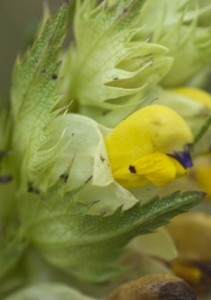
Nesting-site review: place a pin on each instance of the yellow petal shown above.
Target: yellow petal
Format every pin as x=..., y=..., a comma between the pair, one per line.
x=203, y=176
x=156, y=168
x=196, y=95
x=138, y=147
x=202, y=173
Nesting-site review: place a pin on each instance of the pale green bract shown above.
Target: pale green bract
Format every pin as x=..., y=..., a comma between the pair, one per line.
x=184, y=28
x=107, y=72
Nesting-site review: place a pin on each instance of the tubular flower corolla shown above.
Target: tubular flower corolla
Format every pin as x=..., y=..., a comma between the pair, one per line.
x=149, y=147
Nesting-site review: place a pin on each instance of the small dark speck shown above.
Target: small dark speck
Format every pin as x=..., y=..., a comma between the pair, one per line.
x=88, y=179
x=115, y=78
x=5, y=179
x=32, y=189
x=156, y=123
x=54, y=76
x=132, y=169
x=102, y=158
x=154, y=100
x=93, y=202
x=105, y=112
x=103, y=213
x=43, y=71
x=64, y=177
x=125, y=10
x=73, y=134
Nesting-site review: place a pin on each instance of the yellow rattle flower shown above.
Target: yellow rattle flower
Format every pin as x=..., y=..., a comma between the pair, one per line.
x=149, y=147
x=202, y=168
x=194, y=94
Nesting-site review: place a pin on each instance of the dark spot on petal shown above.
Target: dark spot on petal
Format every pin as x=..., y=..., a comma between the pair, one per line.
x=178, y=290
x=54, y=77
x=132, y=169
x=156, y=122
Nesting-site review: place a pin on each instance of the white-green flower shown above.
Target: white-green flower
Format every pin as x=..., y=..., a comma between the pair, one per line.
x=182, y=27
x=106, y=71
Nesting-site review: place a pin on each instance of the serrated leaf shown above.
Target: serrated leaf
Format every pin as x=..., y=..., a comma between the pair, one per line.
x=88, y=246
x=34, y=81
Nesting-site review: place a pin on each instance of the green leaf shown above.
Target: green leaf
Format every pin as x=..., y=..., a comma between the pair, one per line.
x=88, y=246
x=34, y=82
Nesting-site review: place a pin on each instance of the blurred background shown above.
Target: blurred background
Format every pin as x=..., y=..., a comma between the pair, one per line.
x=18, y=21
